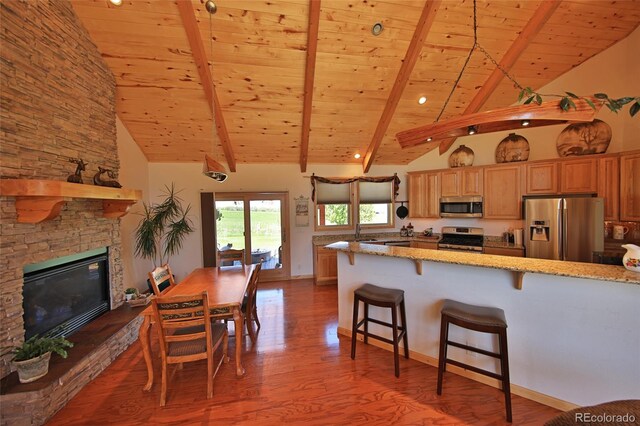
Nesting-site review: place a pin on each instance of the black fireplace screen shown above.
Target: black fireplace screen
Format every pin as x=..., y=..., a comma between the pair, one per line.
x=60, y=299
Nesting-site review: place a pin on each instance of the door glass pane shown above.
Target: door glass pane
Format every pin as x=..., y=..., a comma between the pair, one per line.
x=230, y=225
x=266, y=233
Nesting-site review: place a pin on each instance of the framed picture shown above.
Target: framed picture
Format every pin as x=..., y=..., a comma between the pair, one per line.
x=302, y=211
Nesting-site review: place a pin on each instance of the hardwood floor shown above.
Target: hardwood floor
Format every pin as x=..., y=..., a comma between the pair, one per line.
x=298, y=372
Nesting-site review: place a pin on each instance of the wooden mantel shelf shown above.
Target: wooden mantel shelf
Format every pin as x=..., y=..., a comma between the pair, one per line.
x=40, y=200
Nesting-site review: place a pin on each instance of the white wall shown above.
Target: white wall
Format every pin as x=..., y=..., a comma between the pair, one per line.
x=134, y=173
x=188, y=177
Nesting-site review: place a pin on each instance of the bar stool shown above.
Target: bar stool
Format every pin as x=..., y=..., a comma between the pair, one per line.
x=370, y=294
x=482, y=319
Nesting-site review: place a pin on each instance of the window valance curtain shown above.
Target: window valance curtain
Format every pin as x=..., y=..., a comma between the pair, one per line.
x=341, y=181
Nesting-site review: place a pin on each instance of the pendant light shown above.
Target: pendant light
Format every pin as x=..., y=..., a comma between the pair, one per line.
x=510, y=118
x=211, y=167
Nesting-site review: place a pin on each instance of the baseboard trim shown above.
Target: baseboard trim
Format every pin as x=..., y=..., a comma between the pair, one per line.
x=515, y=389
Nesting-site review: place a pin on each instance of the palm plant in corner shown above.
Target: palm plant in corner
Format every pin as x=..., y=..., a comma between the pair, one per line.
x=162, y=230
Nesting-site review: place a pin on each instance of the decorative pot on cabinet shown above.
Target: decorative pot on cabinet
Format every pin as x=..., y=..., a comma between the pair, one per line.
x=584, y=139
x=461, y=157
x=512, y=148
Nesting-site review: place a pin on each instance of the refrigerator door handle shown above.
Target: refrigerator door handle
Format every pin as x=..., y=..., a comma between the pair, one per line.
x=564, y=223
x=559, y=231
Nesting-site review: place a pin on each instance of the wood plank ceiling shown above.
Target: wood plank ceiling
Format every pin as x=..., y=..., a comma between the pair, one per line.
x=362, y=89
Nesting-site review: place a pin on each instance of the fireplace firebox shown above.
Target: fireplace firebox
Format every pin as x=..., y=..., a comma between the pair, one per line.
x=62, y=295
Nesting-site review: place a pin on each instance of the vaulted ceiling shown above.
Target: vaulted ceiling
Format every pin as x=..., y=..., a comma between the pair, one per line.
x=306, y=81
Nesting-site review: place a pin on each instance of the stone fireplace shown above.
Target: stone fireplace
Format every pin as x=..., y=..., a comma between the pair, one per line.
x=57, y=103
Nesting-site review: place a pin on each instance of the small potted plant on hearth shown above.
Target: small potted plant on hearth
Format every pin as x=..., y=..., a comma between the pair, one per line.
x=32, y=357
x=131, y=293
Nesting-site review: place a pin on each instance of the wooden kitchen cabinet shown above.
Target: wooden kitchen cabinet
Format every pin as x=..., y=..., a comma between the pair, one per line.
x=630, y=186
x=609, y=186
x=504, y=251
x=424, y=195
x=461, y=182
x=325, y=266
x=424, y=245
x=541, y=178
x=502, y=192
x=579, y=176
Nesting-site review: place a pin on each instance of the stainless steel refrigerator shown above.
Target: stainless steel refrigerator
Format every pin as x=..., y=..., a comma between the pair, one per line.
x=569, y=228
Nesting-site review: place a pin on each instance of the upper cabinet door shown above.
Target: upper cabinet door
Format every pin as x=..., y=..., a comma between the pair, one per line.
x=424, y=195
x=417, y=195
x=630, y=186
x=579, y=176
x=541, y=178
x=502, y=192
x=462, y=181
x=472, y=180
x=609, y=186
x=451, y=183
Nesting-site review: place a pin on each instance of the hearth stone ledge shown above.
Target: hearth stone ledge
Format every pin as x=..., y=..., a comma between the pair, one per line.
x=96, y=346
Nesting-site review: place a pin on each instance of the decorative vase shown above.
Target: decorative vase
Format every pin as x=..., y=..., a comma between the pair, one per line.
x=512, y=148
x=631, y=259
x=32, y=369
x=584, y=139
x=461, y=157
x=129, y=296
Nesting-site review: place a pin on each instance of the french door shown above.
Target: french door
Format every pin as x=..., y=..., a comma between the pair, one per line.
x=257, y=222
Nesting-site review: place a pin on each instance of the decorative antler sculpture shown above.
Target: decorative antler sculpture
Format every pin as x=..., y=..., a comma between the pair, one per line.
x=110, y=183
x=77, y=176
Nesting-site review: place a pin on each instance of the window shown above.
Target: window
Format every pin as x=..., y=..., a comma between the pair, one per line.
x=333, y=206
x=370, y=201
x=375, y=203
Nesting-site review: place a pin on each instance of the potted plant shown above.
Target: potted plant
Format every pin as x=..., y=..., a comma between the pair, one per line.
x=162, y=230
x=131, y=293
x=32, y=357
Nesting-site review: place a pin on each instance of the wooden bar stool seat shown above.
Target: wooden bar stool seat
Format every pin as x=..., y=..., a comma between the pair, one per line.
x=476, y=318
x=370, y=294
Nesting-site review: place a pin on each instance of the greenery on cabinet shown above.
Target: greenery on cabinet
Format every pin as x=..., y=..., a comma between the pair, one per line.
x=161, y=232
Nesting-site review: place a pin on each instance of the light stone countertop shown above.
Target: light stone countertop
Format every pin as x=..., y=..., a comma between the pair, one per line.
x=509, y=263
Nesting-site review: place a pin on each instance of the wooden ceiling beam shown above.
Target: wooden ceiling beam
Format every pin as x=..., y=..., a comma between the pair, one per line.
x=188, y=16
x=410, y=58
x=309, y=78
x=530, y=30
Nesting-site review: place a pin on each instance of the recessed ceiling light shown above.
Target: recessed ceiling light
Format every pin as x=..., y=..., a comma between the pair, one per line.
x=377, y=28
x=472, y=130
x=429, y=139
x=422, y=100
x=525, y=123
x=116, y=2
x=356, y=156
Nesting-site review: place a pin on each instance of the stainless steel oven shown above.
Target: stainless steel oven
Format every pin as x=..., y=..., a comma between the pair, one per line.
x=461, y=207
x=457, y=238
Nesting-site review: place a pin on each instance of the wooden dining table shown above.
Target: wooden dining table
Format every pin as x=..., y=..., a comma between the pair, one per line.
x=225, y=287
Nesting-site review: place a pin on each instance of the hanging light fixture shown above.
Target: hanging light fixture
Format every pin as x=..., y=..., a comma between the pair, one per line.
x=509, y=118
x=211, y=167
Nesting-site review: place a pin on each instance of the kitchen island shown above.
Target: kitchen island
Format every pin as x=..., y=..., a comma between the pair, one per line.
x=573, y=327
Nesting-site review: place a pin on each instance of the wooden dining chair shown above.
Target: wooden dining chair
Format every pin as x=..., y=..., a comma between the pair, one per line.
x=230, y=255
x=161, y=280
x=187, y=334
x=249, y=306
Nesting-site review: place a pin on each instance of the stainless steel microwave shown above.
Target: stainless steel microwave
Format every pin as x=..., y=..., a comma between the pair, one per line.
x=461, y=207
